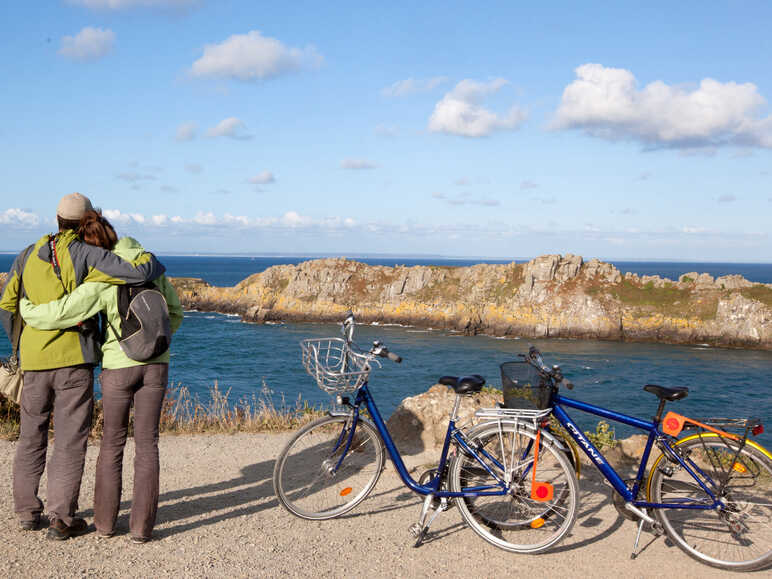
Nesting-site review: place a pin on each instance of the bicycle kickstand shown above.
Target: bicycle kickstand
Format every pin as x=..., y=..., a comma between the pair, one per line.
x=421, y=528
x=644, y=518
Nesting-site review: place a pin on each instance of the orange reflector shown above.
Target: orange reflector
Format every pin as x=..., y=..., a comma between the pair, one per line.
x=345, y=491
x=673, y=424
x=541, y=491
x=739, y=468
x=537, y=523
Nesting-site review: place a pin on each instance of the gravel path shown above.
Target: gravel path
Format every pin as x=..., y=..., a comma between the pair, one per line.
x=218, y=517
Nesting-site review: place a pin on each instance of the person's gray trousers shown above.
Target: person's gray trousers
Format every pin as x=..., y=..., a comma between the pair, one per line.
x=68, y=394
x=145, y=387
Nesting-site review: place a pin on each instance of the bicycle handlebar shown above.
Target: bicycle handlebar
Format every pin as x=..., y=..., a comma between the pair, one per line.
x=535, y=359
x=378, y=349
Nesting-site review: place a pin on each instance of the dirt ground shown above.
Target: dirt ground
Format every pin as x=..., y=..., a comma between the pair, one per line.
x=218, y=517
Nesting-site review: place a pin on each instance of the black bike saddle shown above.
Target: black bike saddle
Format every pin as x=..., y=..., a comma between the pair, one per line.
x=465, y=384
x=664, y=393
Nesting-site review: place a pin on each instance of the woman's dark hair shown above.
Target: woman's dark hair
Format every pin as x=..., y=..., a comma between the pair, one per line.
x=96, y=230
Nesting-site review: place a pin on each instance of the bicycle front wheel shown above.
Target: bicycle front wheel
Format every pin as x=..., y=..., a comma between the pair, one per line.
x=737, y=536
x=311, y=480
x=514, y=521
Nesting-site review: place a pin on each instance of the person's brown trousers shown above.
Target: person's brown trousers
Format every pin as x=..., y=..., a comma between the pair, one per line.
x=69, y=393
x=145, y=387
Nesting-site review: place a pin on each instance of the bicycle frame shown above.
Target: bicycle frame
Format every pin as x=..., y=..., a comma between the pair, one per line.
x=364, y=397
x=652, y=427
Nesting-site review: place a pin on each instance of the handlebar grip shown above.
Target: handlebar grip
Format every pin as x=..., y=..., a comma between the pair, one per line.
x=394, y=357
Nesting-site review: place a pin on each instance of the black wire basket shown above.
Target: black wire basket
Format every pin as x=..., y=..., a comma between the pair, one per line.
x=524, y=386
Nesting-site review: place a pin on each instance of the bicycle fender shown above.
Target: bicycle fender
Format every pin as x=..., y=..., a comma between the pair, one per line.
x=654, y=466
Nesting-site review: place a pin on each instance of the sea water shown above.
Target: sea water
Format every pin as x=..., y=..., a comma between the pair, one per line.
x=249, y=360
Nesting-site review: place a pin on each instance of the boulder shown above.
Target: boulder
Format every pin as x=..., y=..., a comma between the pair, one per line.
x=420, y=422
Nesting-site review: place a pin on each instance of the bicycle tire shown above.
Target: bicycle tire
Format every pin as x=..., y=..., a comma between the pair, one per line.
x=515, y=522
x=737, y=537
x=305, y=478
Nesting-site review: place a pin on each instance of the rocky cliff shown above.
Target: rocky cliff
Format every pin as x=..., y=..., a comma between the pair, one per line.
x=550, y=296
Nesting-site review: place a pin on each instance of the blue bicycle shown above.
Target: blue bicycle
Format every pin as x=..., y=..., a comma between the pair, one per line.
x=332, y=464
x=710, y=490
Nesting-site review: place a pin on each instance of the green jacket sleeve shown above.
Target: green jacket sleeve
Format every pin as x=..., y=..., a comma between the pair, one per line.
x=11, y=292
x=172, y=302
x=68, y=311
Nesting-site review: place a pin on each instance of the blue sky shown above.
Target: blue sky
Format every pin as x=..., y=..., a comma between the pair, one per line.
x=457, y=128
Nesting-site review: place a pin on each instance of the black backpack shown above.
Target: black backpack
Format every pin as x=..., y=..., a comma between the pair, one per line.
x=145, y=328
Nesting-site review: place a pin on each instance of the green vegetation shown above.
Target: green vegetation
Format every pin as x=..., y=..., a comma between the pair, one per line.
x=186, y=413
x=687, y=279
x=649, y=295
x=759, y=293
x=668, y=300
x=604, y=436
x=513, y=280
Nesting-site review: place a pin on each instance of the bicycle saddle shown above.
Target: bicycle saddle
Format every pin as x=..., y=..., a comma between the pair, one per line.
x=667, y=393
x=465, y=384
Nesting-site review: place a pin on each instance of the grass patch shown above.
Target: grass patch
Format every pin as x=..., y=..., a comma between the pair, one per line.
x=186, y=413
x=648, y=295
x=513, y=279
x=668, y=300
x=760, y=293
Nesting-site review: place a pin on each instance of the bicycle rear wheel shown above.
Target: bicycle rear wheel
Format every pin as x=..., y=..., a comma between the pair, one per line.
x=736, y=537
x=515, y=522
x=310, y=479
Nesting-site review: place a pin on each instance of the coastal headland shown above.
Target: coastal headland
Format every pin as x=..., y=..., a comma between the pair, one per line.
x=551, y=296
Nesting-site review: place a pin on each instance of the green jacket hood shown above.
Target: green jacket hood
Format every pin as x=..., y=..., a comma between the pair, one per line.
x=128, y=248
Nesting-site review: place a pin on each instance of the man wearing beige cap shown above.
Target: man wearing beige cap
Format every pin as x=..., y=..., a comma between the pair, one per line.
x=59, y=365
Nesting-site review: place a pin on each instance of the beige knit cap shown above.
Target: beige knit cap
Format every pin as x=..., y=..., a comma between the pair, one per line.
x=73, y=206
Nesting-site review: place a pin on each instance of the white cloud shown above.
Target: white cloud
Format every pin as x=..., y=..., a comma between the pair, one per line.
x=236, y=220
x=115, y=216
x=728, y=198
x=186, y=132
x=356, y=164
x=202, y=218
x=19, y=218
x=412, y=86
x=262, y=178
x=460, y=113
x=230, y=127
x=252, y=56
x=294, y=219
x=606, y=103
x=194, y=168
x=122, y=4
x=89, y=44
x=526, y=185
x=159, y=220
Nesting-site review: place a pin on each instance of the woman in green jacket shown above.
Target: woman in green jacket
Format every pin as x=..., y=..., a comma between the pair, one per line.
x=124, y=382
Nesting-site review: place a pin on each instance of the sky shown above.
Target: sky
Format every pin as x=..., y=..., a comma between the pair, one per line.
x=499, y=129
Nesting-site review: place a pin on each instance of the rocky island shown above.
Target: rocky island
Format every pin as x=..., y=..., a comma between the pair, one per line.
x=550, y=296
